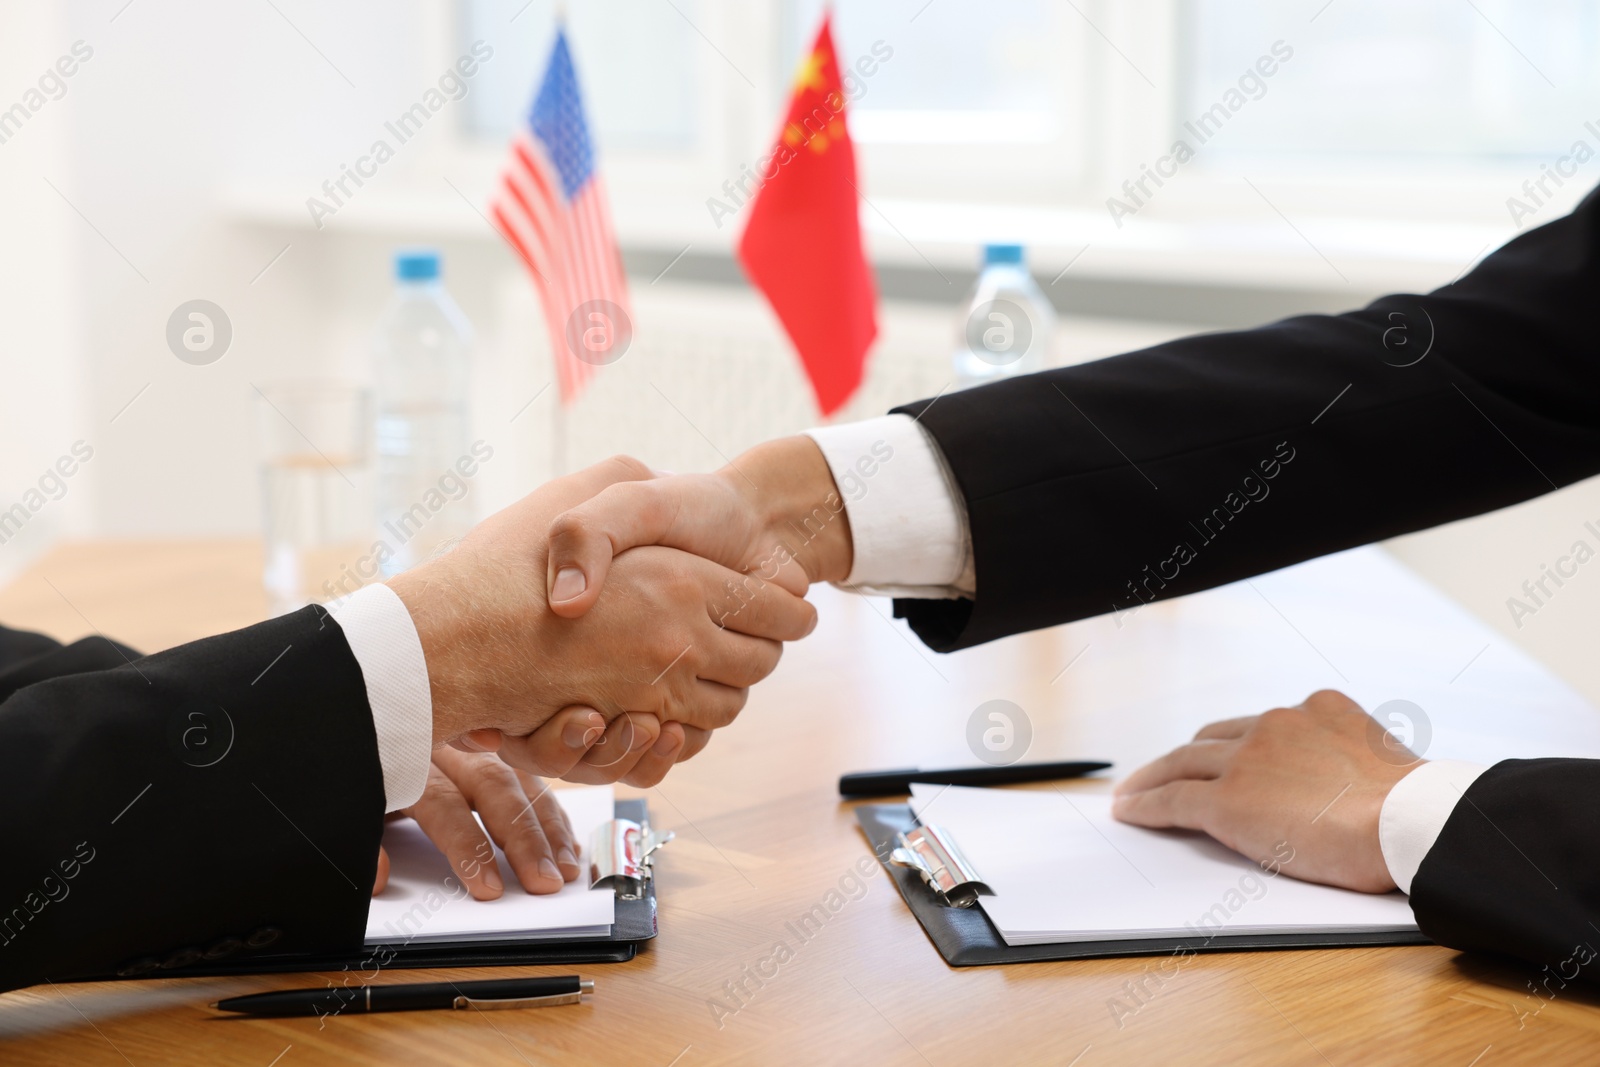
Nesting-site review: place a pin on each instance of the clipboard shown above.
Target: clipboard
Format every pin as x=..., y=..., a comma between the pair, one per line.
x=939, y=886
x=625, y=866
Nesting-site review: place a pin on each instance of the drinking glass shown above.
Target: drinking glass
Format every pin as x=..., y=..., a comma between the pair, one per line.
x=316, y=489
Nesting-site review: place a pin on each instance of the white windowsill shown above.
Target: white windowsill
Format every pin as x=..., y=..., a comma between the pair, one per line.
x=1371, y=255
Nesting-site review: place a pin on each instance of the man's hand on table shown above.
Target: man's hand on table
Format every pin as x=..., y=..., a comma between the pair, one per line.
x=519, y=812
x=1311, y=776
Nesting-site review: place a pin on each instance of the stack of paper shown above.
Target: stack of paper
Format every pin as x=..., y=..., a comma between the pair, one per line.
x=426, y=902
x=1062, y=869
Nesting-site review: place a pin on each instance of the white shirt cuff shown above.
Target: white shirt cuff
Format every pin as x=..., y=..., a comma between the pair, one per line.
x=1415, y=811
x=908, y=520
x=384, y=641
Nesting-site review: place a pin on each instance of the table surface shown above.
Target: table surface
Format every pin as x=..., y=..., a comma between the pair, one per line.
x=762, y=837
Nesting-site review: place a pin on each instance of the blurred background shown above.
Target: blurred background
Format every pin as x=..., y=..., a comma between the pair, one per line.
x=176, y=162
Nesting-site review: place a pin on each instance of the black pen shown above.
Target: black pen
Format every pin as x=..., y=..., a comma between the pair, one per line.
x=894, y=783
x=424, y=996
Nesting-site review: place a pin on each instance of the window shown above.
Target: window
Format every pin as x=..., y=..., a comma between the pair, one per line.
x=954, y=82
x=983, y=98
x=1433, y=109
x=635, y=65
x=1425, y=80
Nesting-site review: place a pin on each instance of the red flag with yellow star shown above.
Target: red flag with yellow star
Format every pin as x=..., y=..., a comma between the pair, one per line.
x=802, y=245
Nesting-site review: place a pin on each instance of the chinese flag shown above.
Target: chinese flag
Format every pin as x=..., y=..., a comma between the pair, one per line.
x=802, y=245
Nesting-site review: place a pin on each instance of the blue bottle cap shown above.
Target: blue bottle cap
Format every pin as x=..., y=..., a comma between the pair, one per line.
x=416, y=265
x=1002, y=254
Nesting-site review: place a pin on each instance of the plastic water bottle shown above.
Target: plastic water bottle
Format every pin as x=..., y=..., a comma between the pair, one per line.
x=1008, y=326
x=420, y=352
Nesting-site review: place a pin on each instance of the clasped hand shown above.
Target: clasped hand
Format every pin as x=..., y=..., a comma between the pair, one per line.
x=612, y=687
x=676, y=640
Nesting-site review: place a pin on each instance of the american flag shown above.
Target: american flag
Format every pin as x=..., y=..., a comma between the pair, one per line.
x=550, y=205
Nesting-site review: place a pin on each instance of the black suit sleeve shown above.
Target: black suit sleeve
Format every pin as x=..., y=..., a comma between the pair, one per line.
x=1096, y=488
x=27, y=657
x=222, y=798
x=1513, y=871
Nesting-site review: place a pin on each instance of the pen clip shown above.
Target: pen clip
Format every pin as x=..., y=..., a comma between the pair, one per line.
x=932, y=853
x=585, y=986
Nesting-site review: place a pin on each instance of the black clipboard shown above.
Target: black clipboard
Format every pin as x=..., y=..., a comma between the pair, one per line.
x=966, y=938
x=633, y=925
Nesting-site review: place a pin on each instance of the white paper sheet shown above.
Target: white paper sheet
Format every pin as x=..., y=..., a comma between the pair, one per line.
x=1062, y=869
x=424, y=901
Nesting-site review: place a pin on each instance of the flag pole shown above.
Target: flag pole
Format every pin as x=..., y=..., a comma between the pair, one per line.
x=558, y=439
x=558, y=417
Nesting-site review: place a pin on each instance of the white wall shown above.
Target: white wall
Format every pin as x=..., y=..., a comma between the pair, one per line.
x=42, y=310
x=188, y=100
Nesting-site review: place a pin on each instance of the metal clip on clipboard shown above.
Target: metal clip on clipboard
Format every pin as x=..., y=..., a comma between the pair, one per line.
x=932, y=852
x=620, y=856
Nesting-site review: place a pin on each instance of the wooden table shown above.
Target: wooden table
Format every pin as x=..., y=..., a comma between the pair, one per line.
x=762, y=837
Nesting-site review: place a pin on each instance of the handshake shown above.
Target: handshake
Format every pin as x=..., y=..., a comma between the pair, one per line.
x=599, y=630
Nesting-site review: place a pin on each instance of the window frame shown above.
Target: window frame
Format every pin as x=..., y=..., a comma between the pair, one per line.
x=660, y=196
